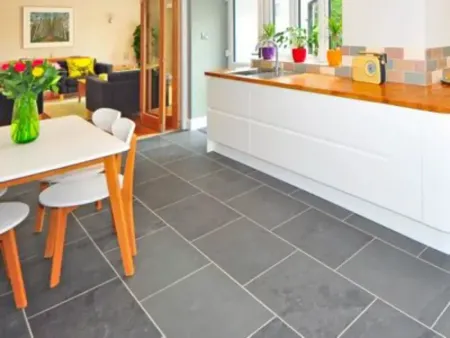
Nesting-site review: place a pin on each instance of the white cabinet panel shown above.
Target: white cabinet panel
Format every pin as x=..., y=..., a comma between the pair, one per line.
x=231, y=97
x=228, y=130
x=436, y=171
x=380, y=180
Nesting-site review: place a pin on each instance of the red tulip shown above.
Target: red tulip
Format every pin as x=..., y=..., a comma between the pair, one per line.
x=20, y=67
x=5, y=66
x=37, y=62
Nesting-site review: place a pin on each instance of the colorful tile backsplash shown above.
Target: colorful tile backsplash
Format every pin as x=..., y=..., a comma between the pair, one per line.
x=405, y=65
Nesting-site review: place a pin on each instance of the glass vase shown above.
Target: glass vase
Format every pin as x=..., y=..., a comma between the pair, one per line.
x=25, y=119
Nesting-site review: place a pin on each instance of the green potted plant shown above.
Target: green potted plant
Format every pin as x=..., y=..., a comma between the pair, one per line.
x=334, y=54
x=23, y=81
x=297, y=39
x=137, y=42
x=269, y=34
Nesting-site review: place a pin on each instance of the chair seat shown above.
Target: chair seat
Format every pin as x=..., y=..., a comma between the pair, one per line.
x=76, y=193
x=12, y=214
x=2, y=192
x=76, y=174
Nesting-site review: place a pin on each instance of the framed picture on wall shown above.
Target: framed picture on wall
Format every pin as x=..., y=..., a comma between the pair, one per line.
x=45, y=27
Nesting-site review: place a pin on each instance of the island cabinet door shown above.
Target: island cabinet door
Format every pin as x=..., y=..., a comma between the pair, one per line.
x=228, y=113
x=368, y=150
x=436, y=171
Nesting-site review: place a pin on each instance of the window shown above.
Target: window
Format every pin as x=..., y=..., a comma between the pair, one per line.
x=248, y=16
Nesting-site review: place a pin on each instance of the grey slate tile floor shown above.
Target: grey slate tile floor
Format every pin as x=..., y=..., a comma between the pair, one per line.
x=227, y=252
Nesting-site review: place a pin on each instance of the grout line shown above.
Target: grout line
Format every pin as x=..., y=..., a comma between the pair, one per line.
x=348, y=224
x=357, y=252
x=270, y=268
x=120, y=278
x=181, y=158
x=229, y=276
x=357, y=317
x=176, y=202
x=244, y=193
x=421, y=252
x=139, y=238
x=217, y=229
x=290, y=194
x=27, y=323
x=6, y=293
x=150, y=180
x=175, y=283
x=261, y=327
x=208, y=174
x=440, y=315
x=346, y=218
x=290, y=219
x=72, y=298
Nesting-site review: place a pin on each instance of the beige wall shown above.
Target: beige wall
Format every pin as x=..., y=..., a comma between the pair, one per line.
x=93, y=34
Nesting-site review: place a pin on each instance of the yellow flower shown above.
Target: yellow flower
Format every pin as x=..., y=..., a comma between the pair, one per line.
x=37, y=71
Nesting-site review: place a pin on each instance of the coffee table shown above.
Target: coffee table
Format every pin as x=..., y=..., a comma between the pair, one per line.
x=81, y=89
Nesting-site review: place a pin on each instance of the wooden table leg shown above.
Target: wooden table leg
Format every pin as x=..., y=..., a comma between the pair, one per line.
x=117, y=207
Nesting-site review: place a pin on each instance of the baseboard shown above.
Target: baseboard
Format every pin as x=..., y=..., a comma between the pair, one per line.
x=197, y=123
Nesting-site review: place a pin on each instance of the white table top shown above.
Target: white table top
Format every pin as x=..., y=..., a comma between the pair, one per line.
x=62, y=142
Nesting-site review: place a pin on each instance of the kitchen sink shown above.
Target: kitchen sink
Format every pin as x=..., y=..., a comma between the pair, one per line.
x=261, y=74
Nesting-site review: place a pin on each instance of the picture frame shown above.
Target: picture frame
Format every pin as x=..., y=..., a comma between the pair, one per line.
x=47, y=27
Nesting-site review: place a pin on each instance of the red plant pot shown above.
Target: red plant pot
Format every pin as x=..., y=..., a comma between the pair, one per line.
x=299, y=54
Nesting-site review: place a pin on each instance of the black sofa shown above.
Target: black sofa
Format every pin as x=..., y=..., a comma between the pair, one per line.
x=68, y=85
x=6, y=108
x=120, y=92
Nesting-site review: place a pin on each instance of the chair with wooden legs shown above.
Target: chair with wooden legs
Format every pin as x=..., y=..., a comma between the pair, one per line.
x=65, y=197
x=11, y=215
x=2, y=192
x=103, y=118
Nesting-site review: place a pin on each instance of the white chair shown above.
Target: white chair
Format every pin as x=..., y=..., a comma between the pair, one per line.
x=11, y=215
x=103, y=118
x=64, y=197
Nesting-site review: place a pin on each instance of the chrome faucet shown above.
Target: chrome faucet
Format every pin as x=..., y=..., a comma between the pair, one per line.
x=271, y=43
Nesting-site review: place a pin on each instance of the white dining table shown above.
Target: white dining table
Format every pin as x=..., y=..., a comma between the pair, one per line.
x=66, y=144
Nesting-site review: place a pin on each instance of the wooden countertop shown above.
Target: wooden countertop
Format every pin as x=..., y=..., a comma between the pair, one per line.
x=434, y=98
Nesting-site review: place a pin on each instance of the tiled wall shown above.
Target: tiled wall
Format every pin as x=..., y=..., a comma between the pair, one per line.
x=405, y=65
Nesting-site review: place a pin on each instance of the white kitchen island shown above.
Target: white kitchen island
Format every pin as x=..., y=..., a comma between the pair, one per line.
x=388, y=163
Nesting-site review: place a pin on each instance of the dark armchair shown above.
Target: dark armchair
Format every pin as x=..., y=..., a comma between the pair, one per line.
x=6, y=108
x=69, y=85
x=120, y=92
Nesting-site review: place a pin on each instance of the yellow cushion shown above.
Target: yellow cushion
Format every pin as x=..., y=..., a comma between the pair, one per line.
x=103, y=77
x=80, y=67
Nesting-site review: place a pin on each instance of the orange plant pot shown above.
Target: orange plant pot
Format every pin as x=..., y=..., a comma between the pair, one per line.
x=334, y=57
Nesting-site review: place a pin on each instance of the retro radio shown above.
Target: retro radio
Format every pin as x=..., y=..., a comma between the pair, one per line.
x=369, y=67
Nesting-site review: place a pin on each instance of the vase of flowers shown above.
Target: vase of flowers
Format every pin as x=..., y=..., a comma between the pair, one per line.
x=23, y=81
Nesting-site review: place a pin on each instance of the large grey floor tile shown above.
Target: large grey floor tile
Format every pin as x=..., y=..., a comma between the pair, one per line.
x=244, y=249
x=267, y=206
x=228, y=162
x=100, y=226
x=168, y=153
x=225, y=184
x=83, y=268
x=383, y=321
x=90, y=209
x=108, y=311
x=321, y=204
x=413, y=286
x=324, y=237
x=197, y=215
x=145, y=171
x=207, y=304
x=386, y=234
x=273, y=182
x=20, y=189
x=161, y=192
x=12, y=321
x=311, y=298
x=275, y=329
x=5, y=286
x=443, y=325
x=193, y=167
x=193, y=140
x=152, y=143
x=437, y=258
x=162, y=259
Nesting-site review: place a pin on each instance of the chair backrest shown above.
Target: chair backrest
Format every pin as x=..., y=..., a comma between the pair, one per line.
x=123, y=129
x=104, y=118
